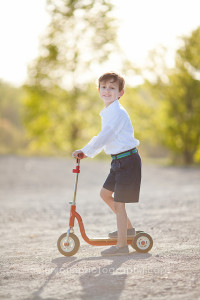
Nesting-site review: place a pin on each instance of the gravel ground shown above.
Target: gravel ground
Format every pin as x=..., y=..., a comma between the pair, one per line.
x=34, y=197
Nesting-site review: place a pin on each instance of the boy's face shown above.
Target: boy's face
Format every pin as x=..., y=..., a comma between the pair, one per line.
x=109, y=91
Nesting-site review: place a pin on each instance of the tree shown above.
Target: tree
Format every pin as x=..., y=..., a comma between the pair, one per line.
x=80, y=35
x=178, y=98
x=182, y=105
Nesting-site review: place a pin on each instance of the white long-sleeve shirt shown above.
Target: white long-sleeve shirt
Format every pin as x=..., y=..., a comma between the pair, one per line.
x=116, y=135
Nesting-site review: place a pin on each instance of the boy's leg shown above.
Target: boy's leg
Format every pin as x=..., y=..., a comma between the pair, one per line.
x=121, y=224
x=106, y=195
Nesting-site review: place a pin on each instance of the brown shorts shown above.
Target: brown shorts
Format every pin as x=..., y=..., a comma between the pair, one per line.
x=124, y=178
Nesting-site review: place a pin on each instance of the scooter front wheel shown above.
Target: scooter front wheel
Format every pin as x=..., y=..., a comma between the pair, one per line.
x=142, y=242
x=68, y=248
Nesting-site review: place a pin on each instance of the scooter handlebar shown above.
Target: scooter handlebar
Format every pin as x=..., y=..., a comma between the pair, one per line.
x=78, y=158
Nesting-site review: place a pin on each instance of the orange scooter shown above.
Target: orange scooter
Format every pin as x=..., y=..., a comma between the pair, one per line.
x=68, y=243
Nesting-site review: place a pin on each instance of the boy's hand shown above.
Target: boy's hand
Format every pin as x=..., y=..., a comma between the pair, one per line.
x=79, y=154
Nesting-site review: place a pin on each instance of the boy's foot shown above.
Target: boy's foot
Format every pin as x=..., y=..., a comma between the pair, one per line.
x=114, y=250
x=130, y=233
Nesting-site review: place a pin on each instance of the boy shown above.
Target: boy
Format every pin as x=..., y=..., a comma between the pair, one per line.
x=117, y=139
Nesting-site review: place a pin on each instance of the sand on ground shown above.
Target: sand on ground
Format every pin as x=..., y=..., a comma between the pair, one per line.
x=34, y=196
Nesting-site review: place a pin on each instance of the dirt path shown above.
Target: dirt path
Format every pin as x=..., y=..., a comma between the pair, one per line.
x=34, y=196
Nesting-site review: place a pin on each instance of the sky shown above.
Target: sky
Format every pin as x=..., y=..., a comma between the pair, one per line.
x=143, y=25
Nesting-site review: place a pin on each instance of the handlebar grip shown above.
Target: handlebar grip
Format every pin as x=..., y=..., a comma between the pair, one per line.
x=80, y=155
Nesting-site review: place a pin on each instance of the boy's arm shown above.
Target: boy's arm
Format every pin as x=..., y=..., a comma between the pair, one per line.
x=107, y=135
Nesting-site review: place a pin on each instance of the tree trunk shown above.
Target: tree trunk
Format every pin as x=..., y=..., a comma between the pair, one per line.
x=188, y=157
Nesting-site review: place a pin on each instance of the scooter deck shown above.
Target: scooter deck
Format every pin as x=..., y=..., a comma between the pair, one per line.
x=99, y=239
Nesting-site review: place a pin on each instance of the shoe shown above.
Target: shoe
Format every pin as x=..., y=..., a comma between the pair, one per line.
x=114, y=250
x=130, y=233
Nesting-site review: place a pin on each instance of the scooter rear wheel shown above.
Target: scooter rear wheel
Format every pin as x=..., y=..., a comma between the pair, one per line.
x=68, y=248
x=142, y=242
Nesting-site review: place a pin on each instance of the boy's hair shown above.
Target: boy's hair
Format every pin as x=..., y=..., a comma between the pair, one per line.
x=116, y=77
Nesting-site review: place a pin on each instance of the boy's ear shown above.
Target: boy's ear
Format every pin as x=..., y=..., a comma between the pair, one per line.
x=122, y=93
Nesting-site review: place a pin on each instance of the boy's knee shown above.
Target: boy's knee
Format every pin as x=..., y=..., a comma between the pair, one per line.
x=104, y=194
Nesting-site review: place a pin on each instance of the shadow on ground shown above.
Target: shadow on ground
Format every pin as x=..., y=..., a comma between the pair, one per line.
x=92, y=279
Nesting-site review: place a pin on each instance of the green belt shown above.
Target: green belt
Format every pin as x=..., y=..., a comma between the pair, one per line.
x=130, y=152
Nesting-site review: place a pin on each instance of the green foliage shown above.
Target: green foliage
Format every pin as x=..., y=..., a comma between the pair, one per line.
x=181, y=115
x=58, y=106
x=61, y=121
x=140, y=104
x=9, y=103
x=80, y=35
x=12, y=136
x=61, y=111
x=179, y=103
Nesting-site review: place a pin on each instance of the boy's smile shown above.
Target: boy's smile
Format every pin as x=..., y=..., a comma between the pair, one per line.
x=109, y=91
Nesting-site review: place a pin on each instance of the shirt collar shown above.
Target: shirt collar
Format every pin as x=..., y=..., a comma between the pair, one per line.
x=109, y=108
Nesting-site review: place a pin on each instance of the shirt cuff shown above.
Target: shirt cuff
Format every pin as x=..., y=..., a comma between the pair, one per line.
x=90, y=151
x=87, y=152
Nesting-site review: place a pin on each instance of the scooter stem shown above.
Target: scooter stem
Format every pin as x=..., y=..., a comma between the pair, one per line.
x=77, y=171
